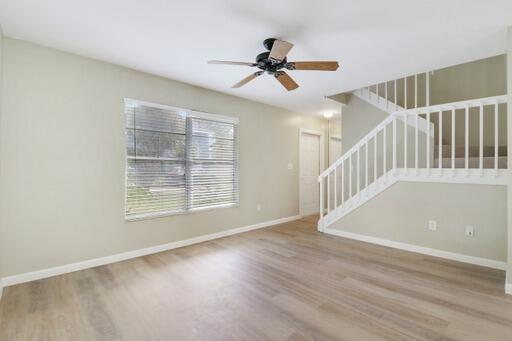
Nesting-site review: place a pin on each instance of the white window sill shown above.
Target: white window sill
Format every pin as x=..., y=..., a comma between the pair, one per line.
x=148, y=216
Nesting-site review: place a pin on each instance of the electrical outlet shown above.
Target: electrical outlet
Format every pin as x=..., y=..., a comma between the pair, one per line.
x=258, y=207
x=290, y=166
x=432, y=225
x=470, y=231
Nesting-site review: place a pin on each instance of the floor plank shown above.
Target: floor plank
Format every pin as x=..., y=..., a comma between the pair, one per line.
x=285, y=282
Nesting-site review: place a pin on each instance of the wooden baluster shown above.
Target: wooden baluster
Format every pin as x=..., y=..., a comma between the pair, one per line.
x=358, y=170
x=366, y=164
x=416, y=145
x=375, y=158
x=328, y=193
x=335, y=201
x=496, y=141
x=466, y=136
x=440, y=147
x=394, y=143
x=321, y=182
x=405, y=140
x=343, y=182
x=384, y=144
x=453, y=139
x=350, y=177
x=481, y=145
x=428, y=139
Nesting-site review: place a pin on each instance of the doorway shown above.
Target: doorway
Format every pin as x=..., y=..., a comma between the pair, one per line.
x=311, y=164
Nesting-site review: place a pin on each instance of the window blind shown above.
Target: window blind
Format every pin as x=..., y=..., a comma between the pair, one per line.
x=178, y=160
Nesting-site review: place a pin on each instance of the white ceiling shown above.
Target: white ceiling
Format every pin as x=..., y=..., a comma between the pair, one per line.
x=373, y=40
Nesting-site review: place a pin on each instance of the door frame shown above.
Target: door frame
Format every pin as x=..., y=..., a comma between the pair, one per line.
x=320, y=134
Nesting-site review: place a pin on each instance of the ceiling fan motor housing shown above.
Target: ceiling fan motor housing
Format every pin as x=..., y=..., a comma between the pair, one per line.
x=268, y=65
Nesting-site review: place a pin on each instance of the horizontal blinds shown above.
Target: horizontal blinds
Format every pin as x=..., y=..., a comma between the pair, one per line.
x=212, y=158
x=177, y=162
x=155, y=168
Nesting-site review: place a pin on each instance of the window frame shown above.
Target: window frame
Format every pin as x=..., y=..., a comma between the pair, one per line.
x=190, y=113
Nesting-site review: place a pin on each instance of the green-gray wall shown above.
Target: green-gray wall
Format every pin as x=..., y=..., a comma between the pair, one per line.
x=62, y=144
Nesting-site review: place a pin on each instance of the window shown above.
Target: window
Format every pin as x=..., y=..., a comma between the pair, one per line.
x=178, y=160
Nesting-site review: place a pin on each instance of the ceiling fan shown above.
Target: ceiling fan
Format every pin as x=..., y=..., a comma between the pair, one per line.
x=274, y=61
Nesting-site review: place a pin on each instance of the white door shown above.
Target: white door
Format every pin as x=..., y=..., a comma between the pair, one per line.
x=309, y=172
x=334, y=149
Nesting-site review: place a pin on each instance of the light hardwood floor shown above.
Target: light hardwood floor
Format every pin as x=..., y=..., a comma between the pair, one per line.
x=286, y=282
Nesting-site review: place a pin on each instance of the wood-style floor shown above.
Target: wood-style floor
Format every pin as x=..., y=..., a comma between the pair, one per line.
x=286, y=282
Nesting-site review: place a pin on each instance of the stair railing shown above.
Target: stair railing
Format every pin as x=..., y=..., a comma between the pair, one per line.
x=398, y=146
x=404, y=93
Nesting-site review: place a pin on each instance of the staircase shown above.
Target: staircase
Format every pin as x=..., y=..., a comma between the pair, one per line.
x=399, y=94
x=411, y=144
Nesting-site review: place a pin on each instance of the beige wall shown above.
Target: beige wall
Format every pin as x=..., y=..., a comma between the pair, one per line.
x=401, y=213
x=335, y=126
x=476, y=79
x=333, y=134
x=359, y=118
x=63, y=157
x=480, y=78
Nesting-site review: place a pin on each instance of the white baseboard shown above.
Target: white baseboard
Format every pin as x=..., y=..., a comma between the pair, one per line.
x=490, y=263
x=91, y=263
x=508, y=288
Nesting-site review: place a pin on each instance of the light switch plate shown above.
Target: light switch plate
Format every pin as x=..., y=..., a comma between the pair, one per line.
x=432, y=225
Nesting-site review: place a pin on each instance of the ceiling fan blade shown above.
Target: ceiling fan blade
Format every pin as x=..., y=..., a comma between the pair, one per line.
x=225, y=62
x=286, y=80
x=280, y=49
x=317, y=66
x=247, y=79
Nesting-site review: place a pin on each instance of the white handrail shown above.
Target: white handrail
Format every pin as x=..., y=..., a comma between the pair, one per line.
x=352, y=150
x=387, y=99
x=457, y=105
x=494, y=100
